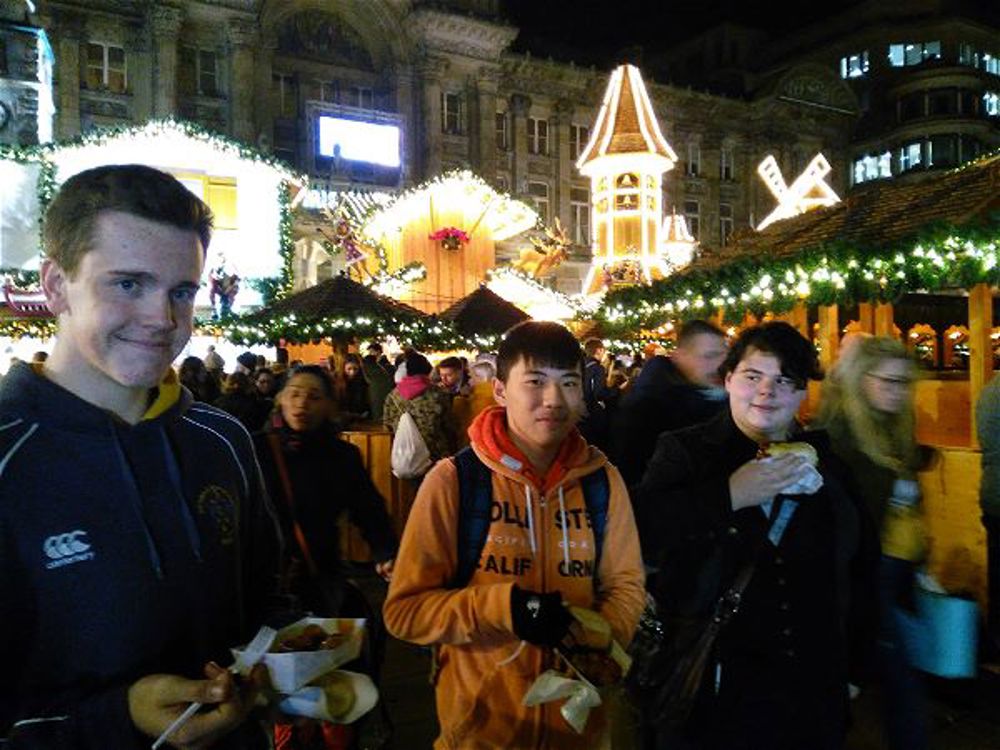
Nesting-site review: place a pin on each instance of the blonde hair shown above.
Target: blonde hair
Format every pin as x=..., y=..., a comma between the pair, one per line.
x=887, y=439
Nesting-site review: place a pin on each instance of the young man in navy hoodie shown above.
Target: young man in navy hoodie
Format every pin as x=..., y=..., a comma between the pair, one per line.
x=136, y=542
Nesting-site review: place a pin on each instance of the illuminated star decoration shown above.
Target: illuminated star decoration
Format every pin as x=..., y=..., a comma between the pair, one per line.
x=809, y=190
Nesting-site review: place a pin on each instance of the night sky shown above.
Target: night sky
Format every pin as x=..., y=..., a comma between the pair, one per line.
x=596, y=31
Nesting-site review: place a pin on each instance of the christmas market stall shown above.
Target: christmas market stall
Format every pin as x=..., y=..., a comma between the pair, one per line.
x=251, y=196
x=482, y=317
x=849, y=266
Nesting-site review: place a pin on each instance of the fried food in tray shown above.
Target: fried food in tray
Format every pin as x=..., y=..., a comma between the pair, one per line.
x=592, y=651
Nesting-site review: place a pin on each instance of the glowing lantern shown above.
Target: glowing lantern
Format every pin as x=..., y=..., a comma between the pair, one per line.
x=678, y=242
x=625, y=160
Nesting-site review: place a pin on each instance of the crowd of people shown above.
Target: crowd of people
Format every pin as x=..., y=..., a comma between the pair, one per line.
x=567, y=493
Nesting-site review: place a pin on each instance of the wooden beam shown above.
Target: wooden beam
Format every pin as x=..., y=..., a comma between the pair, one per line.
x=884, y=322
x=980, y=347
x=829, y=335
x=866, y=317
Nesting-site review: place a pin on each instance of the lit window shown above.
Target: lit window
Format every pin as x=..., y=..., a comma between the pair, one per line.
x=692, y=212
x=578, y=135
x=885, y=165
x=539, y=192
x=872, y=167
x=909, y=156
x=854, y=66
x=503, y=138
x=694, y=159
x=579, y=202
x=725, y=223
x=991, y=104
x=913, y=53
x=105, y=68
x=451, y=113
x=538, y=136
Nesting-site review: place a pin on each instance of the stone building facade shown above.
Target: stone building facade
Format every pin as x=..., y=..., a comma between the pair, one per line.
x=263, y=71
x=26, y=110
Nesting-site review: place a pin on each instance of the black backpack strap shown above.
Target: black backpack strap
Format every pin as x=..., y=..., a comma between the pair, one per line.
x=475, y=493
x=596, y=496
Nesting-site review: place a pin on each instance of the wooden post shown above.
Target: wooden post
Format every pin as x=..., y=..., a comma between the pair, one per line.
x=799, y=318
x=866, y=317
x=883, y=320
x=980, y=348
x=829, y=335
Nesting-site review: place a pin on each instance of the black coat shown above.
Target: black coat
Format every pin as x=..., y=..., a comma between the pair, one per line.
x=810, y=602
x=660, y=400
x=328, y=479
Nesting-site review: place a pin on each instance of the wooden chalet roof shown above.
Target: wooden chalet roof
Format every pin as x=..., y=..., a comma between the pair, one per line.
x=336, y=297
x=626, y=123
x=880, y=215
x=483, y=312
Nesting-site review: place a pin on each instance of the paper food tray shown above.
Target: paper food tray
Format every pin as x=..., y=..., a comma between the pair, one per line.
x=290, y=671
x=310, y=701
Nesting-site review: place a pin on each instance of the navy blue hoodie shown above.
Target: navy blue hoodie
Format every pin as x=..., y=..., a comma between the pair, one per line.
x=125, y=550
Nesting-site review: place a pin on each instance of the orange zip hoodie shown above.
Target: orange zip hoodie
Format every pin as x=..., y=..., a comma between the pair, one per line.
x=484, y=670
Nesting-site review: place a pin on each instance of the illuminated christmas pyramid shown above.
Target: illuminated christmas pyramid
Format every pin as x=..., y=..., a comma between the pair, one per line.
x=625, y=161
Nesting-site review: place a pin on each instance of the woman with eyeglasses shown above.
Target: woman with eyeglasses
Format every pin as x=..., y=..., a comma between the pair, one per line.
x=734, y=497
x=867, y=410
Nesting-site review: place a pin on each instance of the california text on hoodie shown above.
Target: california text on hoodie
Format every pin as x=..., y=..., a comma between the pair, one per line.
x=484, y=670
x=125, y=550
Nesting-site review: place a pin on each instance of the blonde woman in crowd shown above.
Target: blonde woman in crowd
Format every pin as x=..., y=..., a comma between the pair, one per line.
x=867, y=410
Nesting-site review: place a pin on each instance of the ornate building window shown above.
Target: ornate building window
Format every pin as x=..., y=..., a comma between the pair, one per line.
x=579, y=205
x=578, y=135
x=693, y=167
x=725, y=223
x=198, y=72
x=362, y=97
x=539, y=192
x=692, y=215
x=451, y=113
x=726, y=163
x=105, y=68
x=538, y=136
x=283, y=91
x=502, y=131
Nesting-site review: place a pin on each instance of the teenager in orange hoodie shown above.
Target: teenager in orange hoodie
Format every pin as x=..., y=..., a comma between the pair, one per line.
x=495, y=634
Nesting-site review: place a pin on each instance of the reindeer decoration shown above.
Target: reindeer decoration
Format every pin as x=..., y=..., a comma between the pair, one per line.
x=546, y=253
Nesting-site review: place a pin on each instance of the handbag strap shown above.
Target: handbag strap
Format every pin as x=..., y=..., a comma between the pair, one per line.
x=286, y=485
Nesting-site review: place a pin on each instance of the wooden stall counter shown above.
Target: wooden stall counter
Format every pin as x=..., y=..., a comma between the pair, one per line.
x=375, y=444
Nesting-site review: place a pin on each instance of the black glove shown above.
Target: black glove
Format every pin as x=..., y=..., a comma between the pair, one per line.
x=539, y=618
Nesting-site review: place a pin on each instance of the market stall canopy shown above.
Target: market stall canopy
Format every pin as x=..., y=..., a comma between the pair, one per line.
x=882, y=241
x=338, y=308
x=250, y=193
x=483, y=313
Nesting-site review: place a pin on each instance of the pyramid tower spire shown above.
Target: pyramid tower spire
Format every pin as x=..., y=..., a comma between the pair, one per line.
x=625, y=160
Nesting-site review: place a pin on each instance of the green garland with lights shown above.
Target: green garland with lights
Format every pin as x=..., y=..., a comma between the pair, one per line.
x=941, y=257
x=286, y=242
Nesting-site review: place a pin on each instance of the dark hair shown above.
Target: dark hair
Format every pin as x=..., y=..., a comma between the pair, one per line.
x=375, y=346
x=316, y=371
x=797, y=355
x=417, y=363
x=541, y=343
x=591, y=346
x=129, y=188
x=451, y=363
x=694, y=328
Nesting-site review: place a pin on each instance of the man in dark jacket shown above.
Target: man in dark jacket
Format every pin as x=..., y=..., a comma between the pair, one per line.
x=669, y=394
x=136, y=543
x=597, y=396
x=707, y=507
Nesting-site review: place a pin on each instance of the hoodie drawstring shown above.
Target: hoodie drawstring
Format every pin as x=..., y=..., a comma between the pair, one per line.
x=565, y=528
x=531, y=520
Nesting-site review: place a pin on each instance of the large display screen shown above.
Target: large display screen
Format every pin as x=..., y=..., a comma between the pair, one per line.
x=355, y=140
